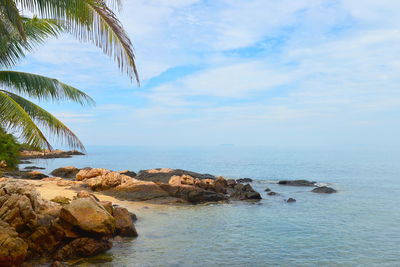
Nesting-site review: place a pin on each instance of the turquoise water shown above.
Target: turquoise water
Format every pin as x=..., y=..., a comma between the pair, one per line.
x=359, y=226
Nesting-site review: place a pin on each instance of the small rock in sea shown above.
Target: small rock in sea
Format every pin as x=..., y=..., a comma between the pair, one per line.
x=34, y=175
x=324, y=190
x=297, y=182
x=267, y=189
x=289, y=200
x=244, y=180
x=34, y=168
x=25, y=162
x=272, y=193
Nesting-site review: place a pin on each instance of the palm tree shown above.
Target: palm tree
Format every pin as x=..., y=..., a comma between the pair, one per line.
x=89, y=20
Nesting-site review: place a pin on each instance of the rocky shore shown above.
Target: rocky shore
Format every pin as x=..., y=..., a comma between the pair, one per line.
x=48, y=154
x=33, y=227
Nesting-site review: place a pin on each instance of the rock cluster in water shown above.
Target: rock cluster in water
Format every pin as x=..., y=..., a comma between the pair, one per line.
x=31, y=227
x=175, y=185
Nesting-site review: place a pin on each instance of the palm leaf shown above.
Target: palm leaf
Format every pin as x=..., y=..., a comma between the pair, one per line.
x=90, y=21
x=10, y=18
x=37, y=30
x=13, y=116
x=45, y=119
x=41, y=87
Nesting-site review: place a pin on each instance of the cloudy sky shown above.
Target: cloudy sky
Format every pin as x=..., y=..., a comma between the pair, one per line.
x=243, y=72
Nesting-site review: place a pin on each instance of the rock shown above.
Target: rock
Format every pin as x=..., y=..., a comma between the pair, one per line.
x=290, y=200
x=83, y=194
x=135, y=190
x=34, y=168
x=193, y=194
x=106, y=181
x=128, y=173
x=82, y=247
x=124, y=222
x=57, y=264
x=231, y=183
x=52, y=179
x=267, y=190
x=88, y=173
x=88, y=215
x=61, y=200
x=163, y=175
x=34, y=175
x=63, y=182
x=221, y=185
x=324, y=190
x=297, y=183
x=47, y=154
x=65, y=172
x=13, y=250
x=272, y=193
x=244, y=180
x=25, y=162
x=108, y=206
x=244, y=192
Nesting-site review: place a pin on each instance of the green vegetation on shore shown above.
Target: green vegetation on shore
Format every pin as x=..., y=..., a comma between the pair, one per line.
x=9, y=150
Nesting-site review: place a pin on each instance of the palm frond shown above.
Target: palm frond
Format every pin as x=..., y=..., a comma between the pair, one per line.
x=41, y=87
x=10, y=18
x=37, y=30
x=91, y=21
x=13, y=116
x=47, y=120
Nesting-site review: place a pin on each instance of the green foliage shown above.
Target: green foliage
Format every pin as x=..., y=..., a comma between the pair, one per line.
x=9, y=150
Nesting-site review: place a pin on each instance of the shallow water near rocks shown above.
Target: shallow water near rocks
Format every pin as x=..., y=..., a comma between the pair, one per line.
x=358, y=226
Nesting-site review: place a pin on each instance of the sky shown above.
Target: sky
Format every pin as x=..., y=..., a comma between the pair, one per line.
x=241, y=72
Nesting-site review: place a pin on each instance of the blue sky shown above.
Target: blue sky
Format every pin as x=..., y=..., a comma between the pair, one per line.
x=249, y=72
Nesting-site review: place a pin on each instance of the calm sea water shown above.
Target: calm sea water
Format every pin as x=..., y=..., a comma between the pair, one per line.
x=359, y=226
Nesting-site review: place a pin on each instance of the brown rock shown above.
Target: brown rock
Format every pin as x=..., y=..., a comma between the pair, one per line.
x=82, y=247
x=128, y=173
x=124, y=222
x=137, y=190
x=61, y=200
x=13, y=249
x=244, y=192
x=34, y=175
x=65, y=182
x=193, y=194
x=108, y=206
x=88, y=215
x=107, y=181
x=163, y=175
x=65, y=172
x=88, y=173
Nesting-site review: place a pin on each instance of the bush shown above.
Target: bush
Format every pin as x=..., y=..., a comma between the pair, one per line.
x=9, y=150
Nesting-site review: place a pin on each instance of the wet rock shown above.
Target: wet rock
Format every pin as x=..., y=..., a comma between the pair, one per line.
x=290, y=200
x=34, y=168
x=163, y=175
x=244, y=180
x=13, y=250
x=324, y=190
x=124, y=222
x=231, y=183
x=128, y=173
x=267, y=190
x=244, y=192
x=66, y=172
x=25, y=162
x=297, y=183
x=82, y=247
x=88, y=215
x=272, y=193
x=193, y=194
x=61, y=200
x=34, y=175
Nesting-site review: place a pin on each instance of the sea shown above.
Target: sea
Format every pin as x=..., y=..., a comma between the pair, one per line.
x=357, y=226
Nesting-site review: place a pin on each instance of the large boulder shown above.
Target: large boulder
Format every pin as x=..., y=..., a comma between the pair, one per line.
x=13, y=249
x=65, y=172
x=106, y=181
x=124, y=222
x=163, y=175
x=297, y=182
x=324, y=190
x=82, y=247
x=33, y=175
x=136, y=190
x=88, y=173
x=193, y=194
x=244, y=192
x=89, y=216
